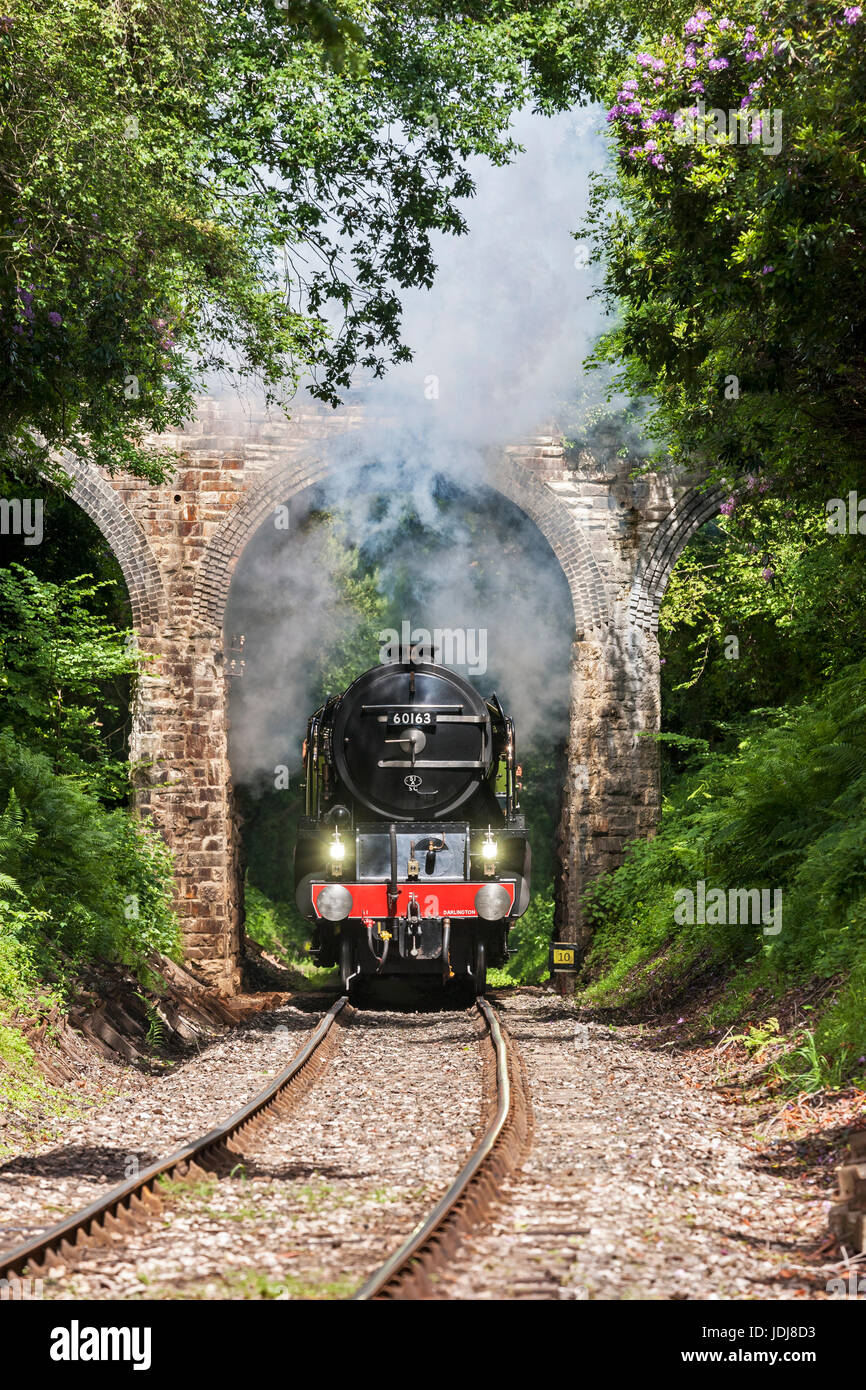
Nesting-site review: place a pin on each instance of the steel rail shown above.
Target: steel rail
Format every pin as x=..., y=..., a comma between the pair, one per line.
x=423, y=1238
x=136, y=1195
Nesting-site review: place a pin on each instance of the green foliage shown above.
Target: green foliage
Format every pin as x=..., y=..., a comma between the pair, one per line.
x=530, y=941
x=242, y=189
x=356, y=622
x=728, y=260
x=759, y=1037
x=78, y=880
x=60, y=663
x=275, y=925
x=786, y=809
x=762, y=606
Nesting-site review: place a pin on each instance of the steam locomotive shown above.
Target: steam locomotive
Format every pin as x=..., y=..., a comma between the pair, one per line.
x=412, y=858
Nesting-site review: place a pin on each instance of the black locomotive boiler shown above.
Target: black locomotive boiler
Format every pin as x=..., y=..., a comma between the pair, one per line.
x=412, y=858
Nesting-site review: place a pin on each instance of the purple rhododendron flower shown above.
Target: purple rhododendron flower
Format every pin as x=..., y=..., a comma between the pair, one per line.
x=657, y=160
x=697, y=23
x=852, y=14
x=697, y=87
x=690, y=61
x=729, y=505
x=55, y=319
x=645, y=60
x=768, y=573
x=718, y=64
x=634, y=108
x=726, y=24
x=658, y=81
x=767, y=269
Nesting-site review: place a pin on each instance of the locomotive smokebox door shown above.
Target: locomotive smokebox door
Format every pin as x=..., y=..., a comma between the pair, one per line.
x=563, y=956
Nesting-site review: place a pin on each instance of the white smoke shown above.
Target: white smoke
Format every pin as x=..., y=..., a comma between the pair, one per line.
x=497, y=342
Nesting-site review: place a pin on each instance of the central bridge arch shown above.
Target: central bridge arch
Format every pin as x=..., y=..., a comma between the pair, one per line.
x=287, y=479
x=615, y=531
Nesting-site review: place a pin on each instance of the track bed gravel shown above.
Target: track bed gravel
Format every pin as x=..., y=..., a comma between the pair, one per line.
x=322, y=1194
x=150, y=1116
x=638, y=1185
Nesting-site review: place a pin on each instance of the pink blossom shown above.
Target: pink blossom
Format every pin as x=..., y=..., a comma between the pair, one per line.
x=697, y=23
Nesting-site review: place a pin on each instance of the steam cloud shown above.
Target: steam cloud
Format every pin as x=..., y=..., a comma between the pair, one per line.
x=497, y=342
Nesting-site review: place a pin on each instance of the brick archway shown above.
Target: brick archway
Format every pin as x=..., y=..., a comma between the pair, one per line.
x=287, y=479
x=93, y=493
x=615, y=532
x=666, y=544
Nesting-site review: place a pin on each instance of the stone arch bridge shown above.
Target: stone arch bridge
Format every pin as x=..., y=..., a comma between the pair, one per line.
x=616, y=538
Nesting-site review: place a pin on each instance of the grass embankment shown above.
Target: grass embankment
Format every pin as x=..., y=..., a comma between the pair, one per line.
x=784, y=811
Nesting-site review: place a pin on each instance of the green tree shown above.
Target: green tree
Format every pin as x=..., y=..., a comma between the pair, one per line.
x=735, y=256
x=762, y=607
x=60, y=663
x=205, y=187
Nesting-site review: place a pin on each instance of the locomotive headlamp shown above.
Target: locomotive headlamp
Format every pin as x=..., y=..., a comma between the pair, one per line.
x=488, y=852
x=338, y=854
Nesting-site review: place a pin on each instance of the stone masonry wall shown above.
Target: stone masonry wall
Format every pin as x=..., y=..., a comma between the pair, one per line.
x=616, y=539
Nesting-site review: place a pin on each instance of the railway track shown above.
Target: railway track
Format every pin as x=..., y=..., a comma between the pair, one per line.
x=414, y=1270
x=139, y=1197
